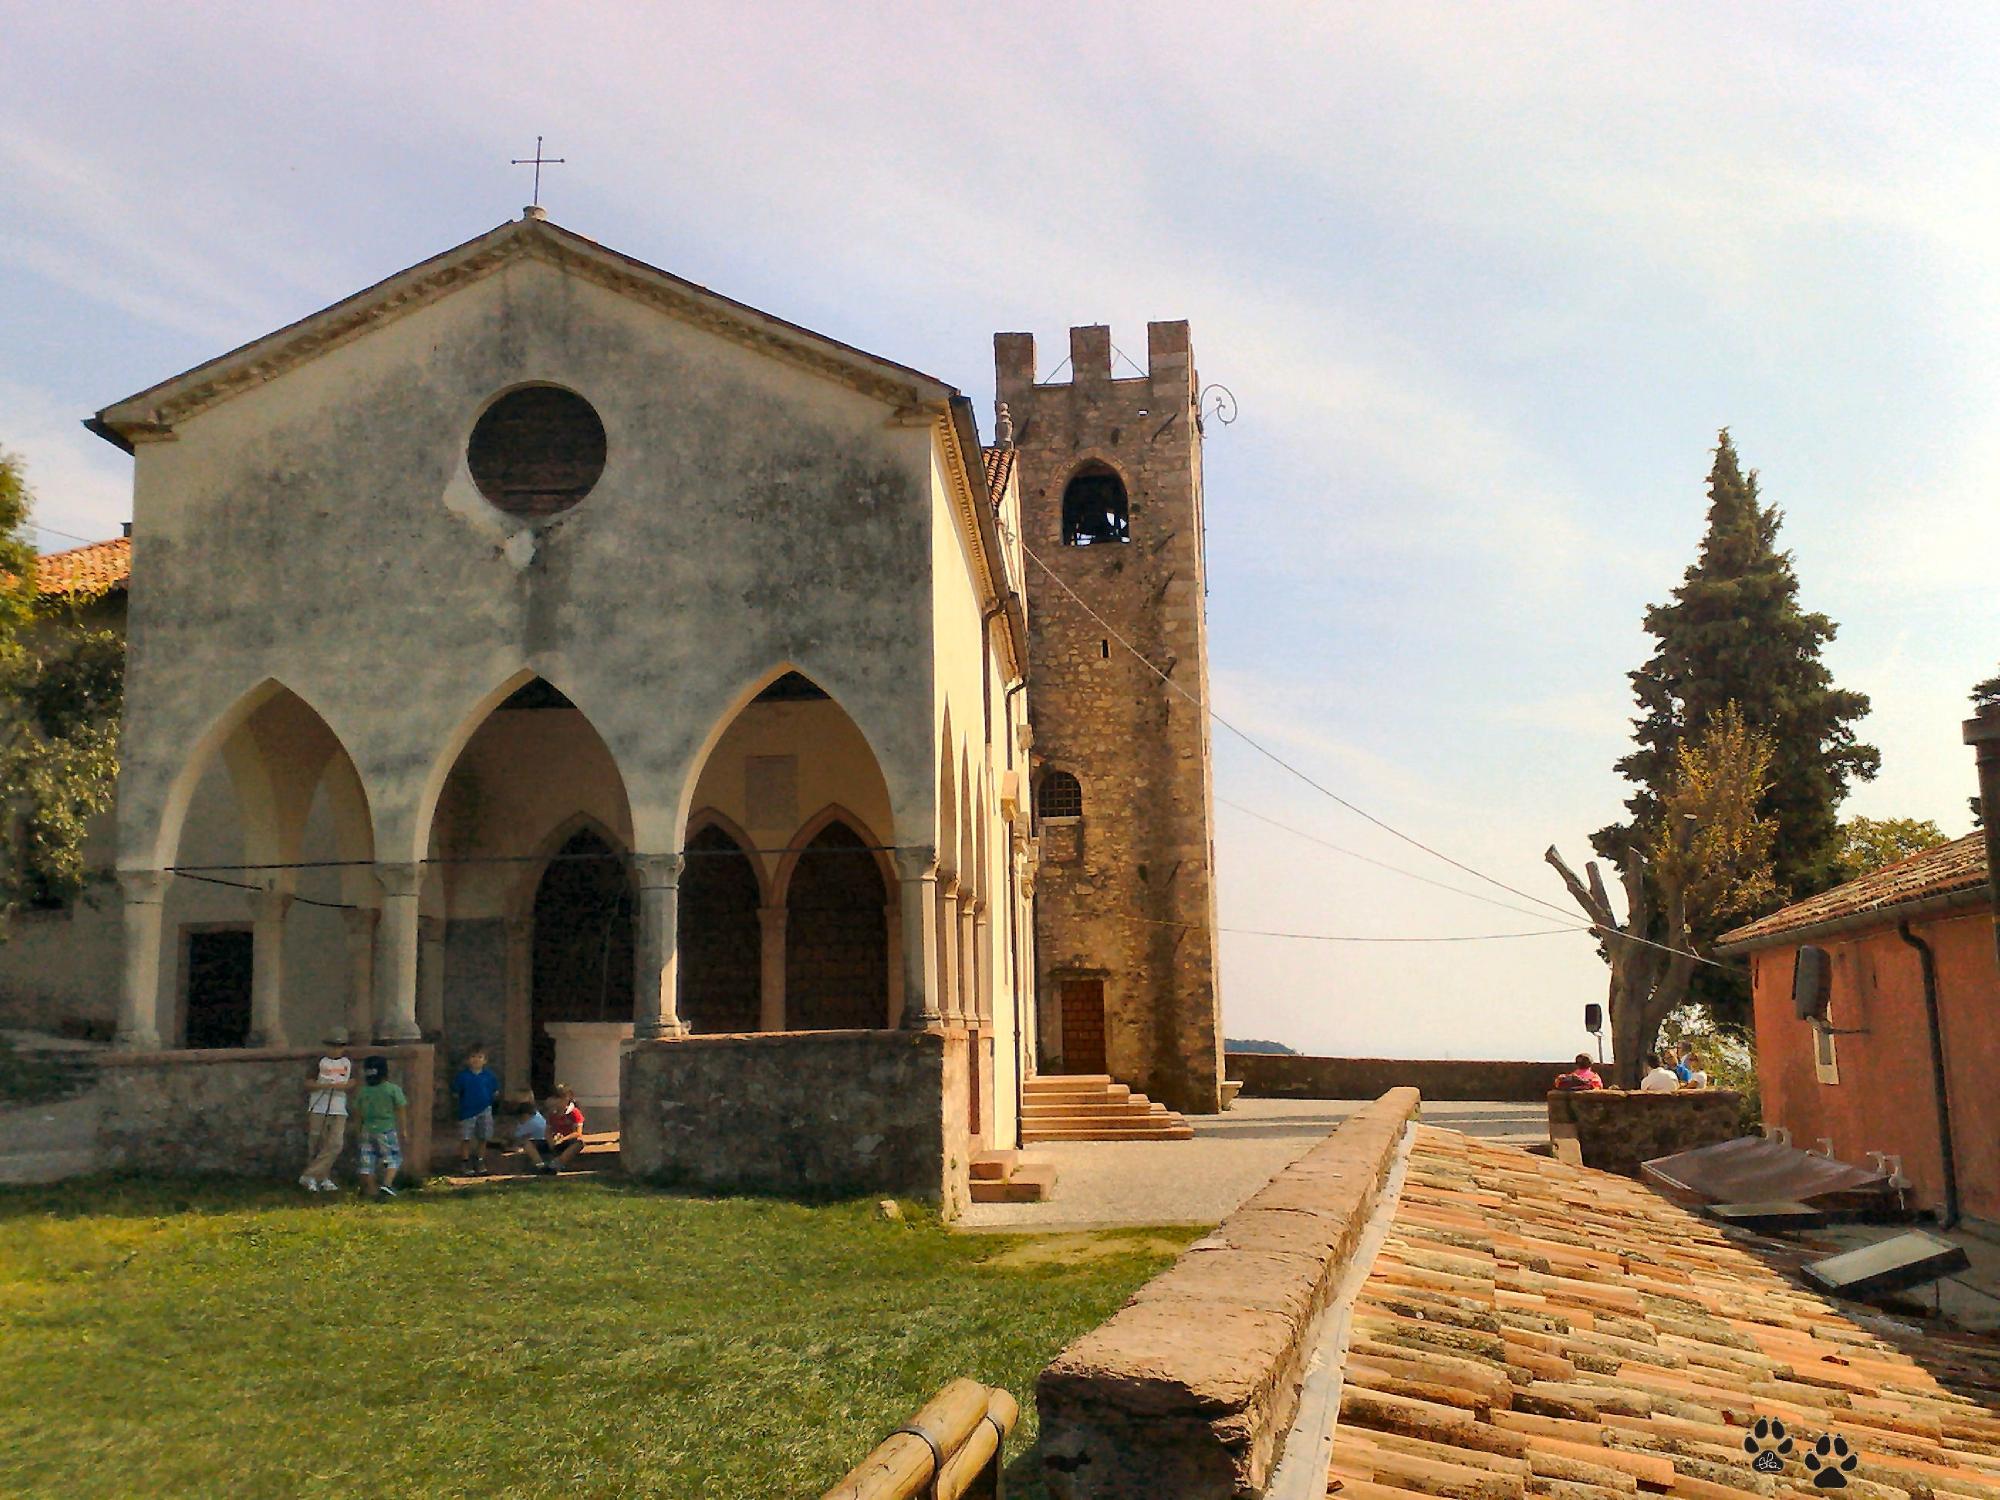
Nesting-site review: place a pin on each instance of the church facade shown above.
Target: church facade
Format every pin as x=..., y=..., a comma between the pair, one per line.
x=541, y=651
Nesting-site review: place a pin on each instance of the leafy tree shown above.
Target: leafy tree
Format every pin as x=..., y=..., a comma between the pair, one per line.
x=1986, y=694
x=1870, y=843
x=1709, y=858
x=61, y=689
x=1734, y=632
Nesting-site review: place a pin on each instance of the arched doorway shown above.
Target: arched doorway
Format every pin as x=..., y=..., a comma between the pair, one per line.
x=721, y=946
x=836, y=935
x=583, y=963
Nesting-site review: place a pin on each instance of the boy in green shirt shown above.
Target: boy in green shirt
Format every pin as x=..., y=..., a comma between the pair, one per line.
x=384, y=1114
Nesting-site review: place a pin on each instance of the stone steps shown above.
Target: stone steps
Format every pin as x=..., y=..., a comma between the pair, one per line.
x=1091, y=1107
x=1007, y=1177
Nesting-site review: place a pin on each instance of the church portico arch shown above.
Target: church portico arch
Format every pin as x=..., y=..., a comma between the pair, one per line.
x=264, y=836
x=529, y=861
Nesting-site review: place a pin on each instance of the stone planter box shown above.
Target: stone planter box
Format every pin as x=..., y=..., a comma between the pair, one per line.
x=587, y=1059
x=1615, y=1130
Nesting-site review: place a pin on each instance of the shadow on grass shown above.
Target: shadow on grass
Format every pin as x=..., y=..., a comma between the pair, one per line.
x=122, y=1195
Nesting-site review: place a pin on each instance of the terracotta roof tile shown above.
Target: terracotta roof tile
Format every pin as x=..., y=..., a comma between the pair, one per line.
x=999, y=466
x=1537, y=1329
x=96, y=568
x=1957, y=866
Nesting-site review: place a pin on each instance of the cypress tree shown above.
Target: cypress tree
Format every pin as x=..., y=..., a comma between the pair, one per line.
x=1734, y=633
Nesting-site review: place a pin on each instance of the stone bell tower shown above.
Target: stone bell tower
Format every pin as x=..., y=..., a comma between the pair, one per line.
x=1111, y=504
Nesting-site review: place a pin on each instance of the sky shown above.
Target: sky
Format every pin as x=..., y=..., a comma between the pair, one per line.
x=1484, y=281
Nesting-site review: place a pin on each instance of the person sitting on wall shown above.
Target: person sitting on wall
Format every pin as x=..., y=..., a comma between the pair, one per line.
x=1583, y=1076
x=565, y=1134
x=1659, y=1079
x=1679, y=1058
x=1697, y=1076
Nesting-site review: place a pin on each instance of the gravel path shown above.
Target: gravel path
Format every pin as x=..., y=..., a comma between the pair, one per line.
x=1110, y=1184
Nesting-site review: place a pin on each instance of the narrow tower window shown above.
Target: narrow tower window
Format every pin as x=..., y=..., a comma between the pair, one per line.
x=1061, y=796
x=1094, y=508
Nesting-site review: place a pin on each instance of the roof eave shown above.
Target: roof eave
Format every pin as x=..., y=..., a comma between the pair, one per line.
x=151, y=413
x=1939, y=904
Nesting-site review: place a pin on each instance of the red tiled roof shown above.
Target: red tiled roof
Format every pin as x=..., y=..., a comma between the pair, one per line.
x=1532, y=1329
x=1957, y=866
x=95, y=568
x=999, y=466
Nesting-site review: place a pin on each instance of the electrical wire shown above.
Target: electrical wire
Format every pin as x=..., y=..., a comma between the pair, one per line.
x=1335, y=937
x=1326, y=791
x=71, y=535
x=1456, y=890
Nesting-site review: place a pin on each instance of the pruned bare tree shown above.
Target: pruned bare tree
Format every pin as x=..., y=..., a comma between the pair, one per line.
x=1712, y=858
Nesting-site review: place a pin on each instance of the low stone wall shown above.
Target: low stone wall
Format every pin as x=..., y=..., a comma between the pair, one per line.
x=1189, y=1389
x=237, y=1111
x=1276, y=1075
x=1615, y=1130
x=806, y=1112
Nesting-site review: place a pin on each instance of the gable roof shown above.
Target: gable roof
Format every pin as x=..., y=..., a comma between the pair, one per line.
x=85, y=572
x=1953, y=873
x=151, y=414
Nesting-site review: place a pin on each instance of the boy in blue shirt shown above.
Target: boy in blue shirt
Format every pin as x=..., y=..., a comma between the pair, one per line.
x=475, y=1088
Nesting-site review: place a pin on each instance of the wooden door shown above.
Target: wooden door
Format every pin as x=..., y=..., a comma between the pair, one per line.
x=1083, y=1026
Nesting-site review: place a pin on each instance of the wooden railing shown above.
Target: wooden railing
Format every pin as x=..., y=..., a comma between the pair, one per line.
x=950, y=1450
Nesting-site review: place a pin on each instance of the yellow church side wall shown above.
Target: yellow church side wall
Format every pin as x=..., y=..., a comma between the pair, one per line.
x=976, y=846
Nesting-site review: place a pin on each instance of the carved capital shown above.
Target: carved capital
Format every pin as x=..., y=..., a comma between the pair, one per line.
x=917, y=863
x=659, y=872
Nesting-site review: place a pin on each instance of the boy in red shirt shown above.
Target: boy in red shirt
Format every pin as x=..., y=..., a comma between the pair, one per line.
x=565, y=1137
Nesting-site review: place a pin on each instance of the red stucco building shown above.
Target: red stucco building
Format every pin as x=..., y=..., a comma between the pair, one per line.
x=1905, y=944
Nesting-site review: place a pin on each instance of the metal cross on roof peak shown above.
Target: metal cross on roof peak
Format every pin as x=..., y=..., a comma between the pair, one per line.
x=537, y=161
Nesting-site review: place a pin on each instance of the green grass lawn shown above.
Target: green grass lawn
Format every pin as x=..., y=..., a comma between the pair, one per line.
x=577, y=1338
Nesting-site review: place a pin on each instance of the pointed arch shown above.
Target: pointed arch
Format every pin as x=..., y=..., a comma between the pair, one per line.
x=947, y=804
x=773, y=755
x=799, y=842
x=278, y=750
x=711, y=817
x=721, y=931
x=731, y=716
x=836, y=930
x=446, y=760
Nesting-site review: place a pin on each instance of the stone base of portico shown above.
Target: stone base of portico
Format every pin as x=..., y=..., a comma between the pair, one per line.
x=809, y=1113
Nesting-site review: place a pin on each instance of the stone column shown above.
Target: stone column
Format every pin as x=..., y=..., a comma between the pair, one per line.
x=655, y=995
x=971, y=1004
x=950, y=996
x=267, y=966
x=916, y=874
x=892, y=925
x=984, y=969
x=141, y=893
x=771, y=1006
x=430, y=975
x=517, y=1049
x=361, y=922
x=396, y=954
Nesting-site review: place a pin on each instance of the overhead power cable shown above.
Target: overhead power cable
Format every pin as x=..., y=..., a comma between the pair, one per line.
x=1340, y=937
x=1328, y=792
x=1313, y=838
